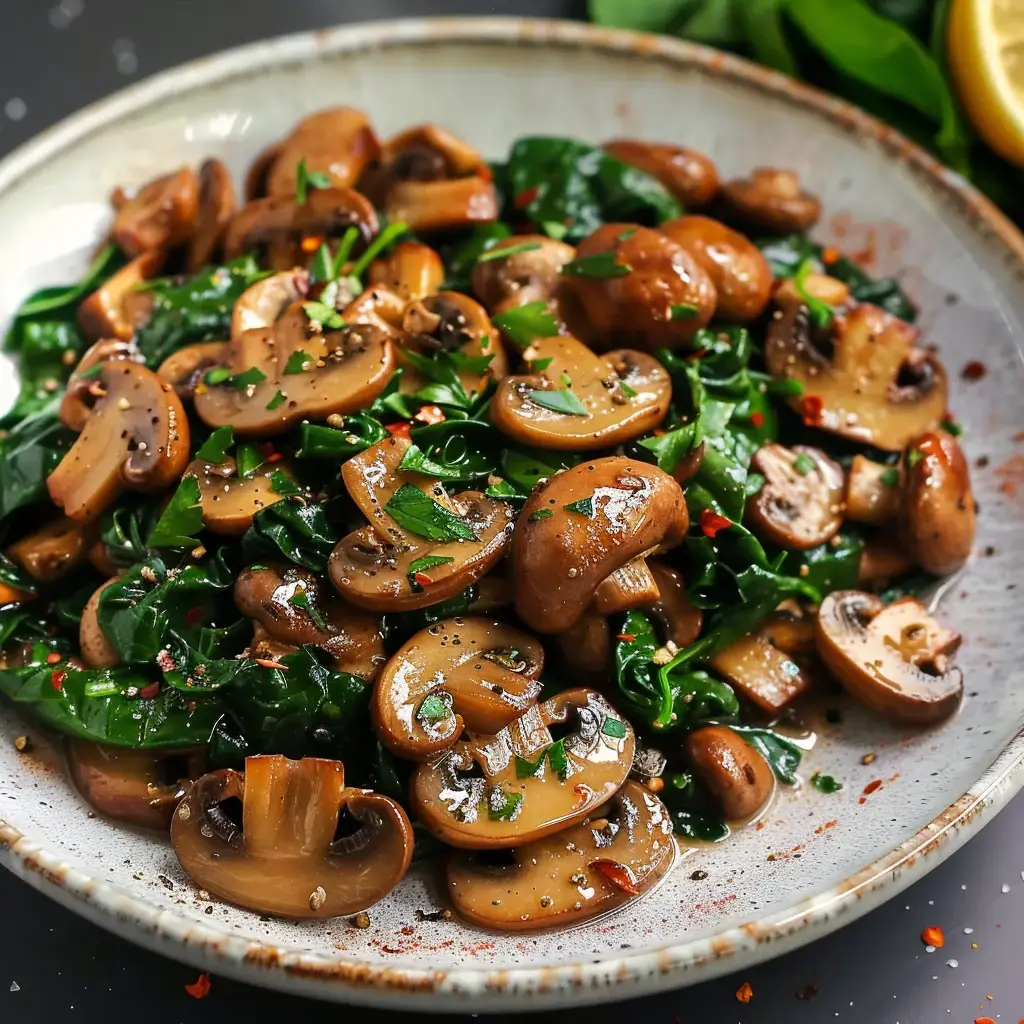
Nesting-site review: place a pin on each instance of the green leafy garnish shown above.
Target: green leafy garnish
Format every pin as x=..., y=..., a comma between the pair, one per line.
x=825, y=783
x=821, y=312
x=420, y=514
x=562, y=400
x=298, y=362
x=306, y=179
x=683, y=311
x=182, y=520
x=391, y=234
x=891, y=477
x=301, y=600
x=914, y=456
x=541, y=364
x=599, y=264
x=282, y=484
x=428, y=562
x=248, y=458
x=626, y=390
x=219, y=376
x=804, y=464
x=541, y=513
x=502, y=806
x=525, y=324
x=584, y=507
x=277, y=401
x=327, y=316
x=614, y=728
x=951, y=428
x=216, y=447
x=502, y=252
x=433, y=708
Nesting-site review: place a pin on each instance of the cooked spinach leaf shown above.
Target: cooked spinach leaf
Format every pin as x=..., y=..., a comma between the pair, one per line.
x=300, y=532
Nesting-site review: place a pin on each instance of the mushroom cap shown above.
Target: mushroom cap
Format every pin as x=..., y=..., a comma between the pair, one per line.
x=859, y=392
x=530, y=275
x=892, y=658
x=636, y=308
x=558, y=560
x=601, y=384
x=96, y=649
x=160, y=215
x=869, y=497
x=82, y=389
x=184, y=370
x=468, y=796
x=262, y=303
x=740, y=273
x=938, y=504
x=772, y=199
x=411, y=270
x=53, y=550
x=285, y=859
x=117, y=308
x=797, y=508
x=485, y=675
x=690, y=176
x=229, y=503
x=358, y=362
x=217, y=206
x=136, y=438
x=621, y=850
x=737, y=775
x=353, y=639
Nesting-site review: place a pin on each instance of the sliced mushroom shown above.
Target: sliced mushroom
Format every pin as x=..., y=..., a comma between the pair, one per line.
x=894, y=658
x=792, y=632
x=583, y=524
x=82, y=388
x=630, y=586
x=875, y=386
x=381, y=308
x=160, y=215
x=117, y=309
x=285, y=859
x=263, y=303
x=217, y=206
x=620, y=851
x=427, y=152
x=463, y=673
x=97, y=651
x=772, y=199
x=873, y=492
x=385, y=567
x=136, y=438
x=344, y=370
x=292, y=232
x=229, y=503
x=761, y=672
x=740, y=779
x=662, y=299
x=938, y=504
x=884, y=558
x=679, y=619
x=53, y=550
x=489, y=792
x=690, y=176
x=137, y=787
x=622, y=395
x=339, y=142
x=585, y=650
x=184, y=370
x=531, y=273
x=800, y=505
x=740, y=273
x=289, y=604
x=412, y=271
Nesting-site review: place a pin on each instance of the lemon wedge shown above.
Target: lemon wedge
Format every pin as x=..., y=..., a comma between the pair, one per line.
x=986, y=56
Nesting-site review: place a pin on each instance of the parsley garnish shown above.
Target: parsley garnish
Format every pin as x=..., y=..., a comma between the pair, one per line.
x=218, y=375
x=301, y=600
x=298, y=362
x=420, y=514
x=541, y=513
x=502, y=806
x=627, y=390
x=821, y=312
x=433, y=708
x=253, y=376
x=951, y=428
x=306, y=179
x=509, y=250
x=683, y=311
x=565, y=379
x=387, y=237
x=600, y=264
x=826, y=783
x=563, y=401
x=803, y=464
x=584, y=507
x=627, y=234
x=614, y=728
x=891, y=477
x=525, y=324
x=541, y=364
x=248, y=459
x=914, y=456
x=326, y=316
x=428, y=562
x=322, y=267
x=277, y=401
x=215, y=448
x=282, y=484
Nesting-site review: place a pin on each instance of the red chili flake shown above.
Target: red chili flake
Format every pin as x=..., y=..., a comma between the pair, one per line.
x=430, y=414
x=811, y=407
x=745, y=993
x=830, y=255
x=270, y=663
x=627, y=637
x=311, y=243
x=150, y=691
x=872, y=786
x=698, y=354
x=526, y=197
x=932, y=936
x=200, y=988
x=399, y=429
x=583, y=793
x=53, y=658
x=618, y=874
x=274, y=457
x=194, y=616
x=973, y=370
x=711, y=522
x=757, y=418
x=57, y=677
x=190, y=706
x=422, y=579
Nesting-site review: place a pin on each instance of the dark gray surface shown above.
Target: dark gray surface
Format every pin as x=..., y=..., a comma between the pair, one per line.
x=56, y=967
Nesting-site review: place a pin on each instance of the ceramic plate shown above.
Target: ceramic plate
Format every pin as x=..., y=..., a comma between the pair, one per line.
x=819, y=861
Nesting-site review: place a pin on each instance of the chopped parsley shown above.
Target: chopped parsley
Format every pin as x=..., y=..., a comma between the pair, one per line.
x=584, y=507
x=301, y=600
x=434, y=708
x=803, y=464
x=298, y=362
x=825, y=783
x=420, y=514
x=216, y=447
x=277, y=401
x=563, y=401
x=683, y=311
x=525, y=324
x=508, y=250
x=428, y=562
x=305, y=179
x=326, y=316
x=614, y=728
x=541, y=513
x=891, y=477
x=821, y=312
x=600, y=264
x=502, y=806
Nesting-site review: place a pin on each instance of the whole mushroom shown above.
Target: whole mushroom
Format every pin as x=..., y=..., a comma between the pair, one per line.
x=690, y=176
x=772, y=200
x=739, y=778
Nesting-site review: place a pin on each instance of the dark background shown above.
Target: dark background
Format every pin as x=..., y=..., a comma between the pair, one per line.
x=54, y=58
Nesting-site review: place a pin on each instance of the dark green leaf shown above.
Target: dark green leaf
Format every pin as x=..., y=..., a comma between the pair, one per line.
x=299, y=532
x=29, y=453
x=391, y=235
x=420, y=514
x=298, y=362
x=216, y=447
x=783, y=755
x=683, y=311
x=52, y=300
x=804, y=464
x=502, y=806
x=466, y=449
x=584, y=507
x=503, y=252
x=306, y=179
x=182, y=519
x=282, y=484
x=358, y=433
x=277, y=401
x=525, y=324
x=599, y=264
x=562, y=400
x=539, y=514
x=433, y=708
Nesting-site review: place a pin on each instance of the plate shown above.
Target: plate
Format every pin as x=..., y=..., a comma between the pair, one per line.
x=819, y=860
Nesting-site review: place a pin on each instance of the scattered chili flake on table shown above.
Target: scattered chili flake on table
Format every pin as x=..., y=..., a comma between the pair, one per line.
x=200, y=988
x=745, y=993
x=973, y=370
x=932, y=936
x=984, y=1020
x=870, y=788
x=711, y=522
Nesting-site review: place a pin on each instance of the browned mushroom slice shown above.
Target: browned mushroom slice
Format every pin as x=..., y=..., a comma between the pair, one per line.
x=761, y=672
x=262, y=303
x=894, y=659
x=217, y=206
x=339, y=142
x=773, y=200
x=620, y=851
x=290, y=607
x=427, y=152
x=800, y=505
x=117, y=309
x=680, y=620
x=938, y=505
x=292, y=232
x=284, y=859
x=381, y=308
x=532, y=272
x=740, y=779
x=690, y=176
x=489, y=792
x=97, y=651
x=412, y=271
x=138, y=787
x=184, y=370
x=582, y=525
x=630, y=586
x=82, y=388
x=741, y=275
x=792, y=632
x=638, y=287
x=463, y=673
x=875, y=386
x=229, y=503
x=873, y=493
x=53, y=550
x=136, y=439
x=585, y=650
x=273, y=378
x=581, y=401
x=160, y=215
x=884, y=558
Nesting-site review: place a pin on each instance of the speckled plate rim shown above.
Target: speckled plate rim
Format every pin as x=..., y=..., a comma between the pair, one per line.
x=490, y=990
